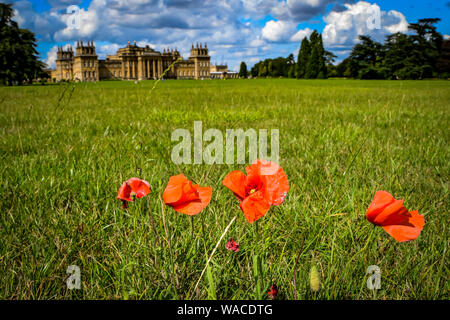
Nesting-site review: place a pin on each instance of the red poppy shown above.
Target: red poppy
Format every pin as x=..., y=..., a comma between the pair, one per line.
x=186, y=197
x=133, y=187
x=273, y=292
x=265, y=185
x=232, y=245
x=389, y=213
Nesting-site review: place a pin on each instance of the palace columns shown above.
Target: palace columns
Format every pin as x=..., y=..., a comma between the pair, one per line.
x=139, y=68
x=153, y=69
x=159, y=68
x=123, y=70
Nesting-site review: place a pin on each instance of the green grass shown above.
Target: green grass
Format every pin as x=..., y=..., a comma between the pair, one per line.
x=66, y=149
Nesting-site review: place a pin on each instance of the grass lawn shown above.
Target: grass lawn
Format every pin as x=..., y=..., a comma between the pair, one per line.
x=66, y=149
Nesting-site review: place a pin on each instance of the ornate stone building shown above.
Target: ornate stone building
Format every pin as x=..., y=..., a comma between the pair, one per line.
x=130, y=63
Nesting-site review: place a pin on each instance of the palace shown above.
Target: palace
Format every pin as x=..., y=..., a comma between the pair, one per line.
x=135, y=63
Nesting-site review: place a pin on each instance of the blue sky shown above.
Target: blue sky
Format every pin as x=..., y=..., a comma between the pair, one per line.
x=235, y=30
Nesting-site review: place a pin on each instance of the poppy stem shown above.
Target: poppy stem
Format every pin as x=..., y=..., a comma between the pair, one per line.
x=192, y=227
x=257, y=231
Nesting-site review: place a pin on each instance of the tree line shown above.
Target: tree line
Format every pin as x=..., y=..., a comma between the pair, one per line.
x=422, y=53
x=18, y=56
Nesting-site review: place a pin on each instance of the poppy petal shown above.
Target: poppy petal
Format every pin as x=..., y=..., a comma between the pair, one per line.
x=276, y=187
x=140, y=187
x=381, y=200
x=389, y=213
x=254, y=206
x=408, y=230
x=179, y=190
x=403, y=233
x=124, y=192
x=195, y=206
x=275, y=184
x=394, y=213
x=235, y=181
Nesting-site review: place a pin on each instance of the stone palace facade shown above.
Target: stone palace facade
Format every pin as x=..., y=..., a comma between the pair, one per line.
x=135, y=63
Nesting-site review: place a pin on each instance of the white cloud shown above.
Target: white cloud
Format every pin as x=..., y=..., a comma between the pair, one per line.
x=229, y=27
x=300, y=34
x=51, y=57
x=401, y=26
x=278, y=30
x=344, y=27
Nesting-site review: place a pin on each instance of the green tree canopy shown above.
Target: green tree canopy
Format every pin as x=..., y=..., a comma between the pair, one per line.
x=416, y=55
x=243, y=73
x=18, y=55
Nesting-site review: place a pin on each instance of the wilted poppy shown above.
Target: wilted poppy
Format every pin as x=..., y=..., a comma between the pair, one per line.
x=265, y=185
x=232, y=245
x=273, y=292
x=186, y=197
x=389, y=213
x=133, y=187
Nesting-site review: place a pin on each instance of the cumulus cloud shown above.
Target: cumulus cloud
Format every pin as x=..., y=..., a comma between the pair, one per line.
x=52, y=54
x=300, y=34
x=362, y=18
x=230, y=27
x=51, y=57
x=278, y=30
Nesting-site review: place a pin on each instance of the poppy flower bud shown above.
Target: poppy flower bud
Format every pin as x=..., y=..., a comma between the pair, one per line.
x=314, y=279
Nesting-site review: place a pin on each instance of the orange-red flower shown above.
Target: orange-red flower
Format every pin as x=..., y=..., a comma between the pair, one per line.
x=186, y=197
x=133, y=187
x=265, y=185
x=232, y=245
x=389, y=213
x=273, y=292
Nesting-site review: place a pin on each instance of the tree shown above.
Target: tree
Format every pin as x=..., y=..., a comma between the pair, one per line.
x=427, y=45
x=398, y=61
x=18, y=55
x=312, y=57
x=330, y=67
x=302, y=60
x=313, y=63
x=443, y=63
x=403, y=56
x=243, y=70
x=367, y=58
